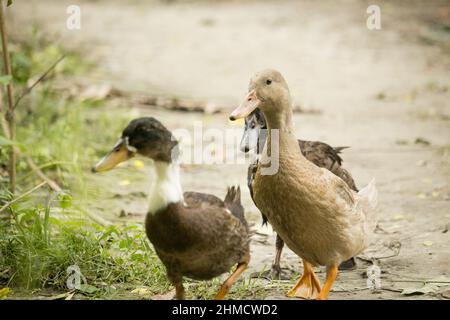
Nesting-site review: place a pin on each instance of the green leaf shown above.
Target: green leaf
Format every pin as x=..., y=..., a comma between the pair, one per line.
x=4, y=142
x=5, y=79
x=65, y=200
x=88, y=289
x=3, y=293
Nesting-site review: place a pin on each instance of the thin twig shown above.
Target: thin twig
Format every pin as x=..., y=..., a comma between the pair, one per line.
x=41, y=78
x=418, y=281
x=10, y=117
x=42, y=175
x=5, y=126
x=392, y=290
x=22, y=196
x=4, y=123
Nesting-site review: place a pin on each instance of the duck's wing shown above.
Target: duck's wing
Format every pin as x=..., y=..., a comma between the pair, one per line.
x=213, y=227
x=251, y=172
x=193, y=233
x=321, y=154
x=347, y=177
x=357, y=207
x=325, y=156
x=203, y=201
x=198, y=199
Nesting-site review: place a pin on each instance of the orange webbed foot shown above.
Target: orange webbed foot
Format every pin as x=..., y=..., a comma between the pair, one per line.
x=308, y=286
x=331, y=276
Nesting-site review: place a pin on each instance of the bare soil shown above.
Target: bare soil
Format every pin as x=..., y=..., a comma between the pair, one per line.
x=385, y=93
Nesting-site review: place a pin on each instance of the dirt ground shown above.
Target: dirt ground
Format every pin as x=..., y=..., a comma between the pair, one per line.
x=385, y=93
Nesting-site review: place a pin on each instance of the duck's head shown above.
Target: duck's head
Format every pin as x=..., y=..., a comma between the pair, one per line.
x=144, y=136
x=268, y=91
x=254, y=123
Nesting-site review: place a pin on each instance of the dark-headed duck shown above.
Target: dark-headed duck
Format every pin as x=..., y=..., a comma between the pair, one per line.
x=195, y=235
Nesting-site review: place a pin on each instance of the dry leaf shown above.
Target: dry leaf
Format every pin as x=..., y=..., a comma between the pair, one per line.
x=427, y=288
x=435, y=194
x=138, y=164
x=165, y=296
x=423, y=141
x=142, y=292
x=70, y=296
x=446, y=294
x=428, y=243
x=124, y=183
x=59, y=296
x=399, y=217
x=421, y=163
x=98, y=92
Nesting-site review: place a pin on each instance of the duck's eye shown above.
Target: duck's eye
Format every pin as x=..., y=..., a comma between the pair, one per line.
x=252, y=125
x=268, y=81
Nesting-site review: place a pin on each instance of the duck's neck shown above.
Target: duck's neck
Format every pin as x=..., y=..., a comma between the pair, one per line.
x=167, y=187
x=280, y=132
x=281, y=119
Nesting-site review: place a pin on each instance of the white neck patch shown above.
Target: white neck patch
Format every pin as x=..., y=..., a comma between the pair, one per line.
x=167, y=187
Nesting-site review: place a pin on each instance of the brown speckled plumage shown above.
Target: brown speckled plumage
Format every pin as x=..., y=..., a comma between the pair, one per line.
x=200, y=240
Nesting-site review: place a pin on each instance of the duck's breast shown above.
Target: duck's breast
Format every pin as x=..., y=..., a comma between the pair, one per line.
x=306, y=212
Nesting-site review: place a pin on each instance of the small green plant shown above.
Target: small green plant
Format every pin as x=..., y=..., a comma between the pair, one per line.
x=41, y=242
x=42, y=236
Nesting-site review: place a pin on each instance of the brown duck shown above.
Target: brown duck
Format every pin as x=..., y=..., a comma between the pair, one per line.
x=319, y=153
x=195, y=235
x=314, y=211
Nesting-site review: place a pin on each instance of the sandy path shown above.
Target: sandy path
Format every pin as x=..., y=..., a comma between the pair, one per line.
x=378, y=92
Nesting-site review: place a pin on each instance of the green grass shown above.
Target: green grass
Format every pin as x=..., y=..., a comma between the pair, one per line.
x=43, y=235
x=244, y=288
x=37, y=247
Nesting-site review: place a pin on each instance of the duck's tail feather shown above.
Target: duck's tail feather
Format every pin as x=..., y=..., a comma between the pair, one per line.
x=233, y=203
x=369, y=196
x=370, y=192
x=339, y=149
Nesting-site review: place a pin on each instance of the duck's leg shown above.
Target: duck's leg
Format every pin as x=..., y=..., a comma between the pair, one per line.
x=179, y=291
x=276, y=269
x=331, y=276
x=177, y=281
x=226, y=286
x=349, y=264
x=308, y=286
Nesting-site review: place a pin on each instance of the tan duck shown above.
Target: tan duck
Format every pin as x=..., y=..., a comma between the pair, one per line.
x=195, y=235
x=320, y=153
x=314, y=211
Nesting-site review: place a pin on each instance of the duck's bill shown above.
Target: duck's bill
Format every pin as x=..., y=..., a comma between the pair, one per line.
x=118, y=154
x=250, y=103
